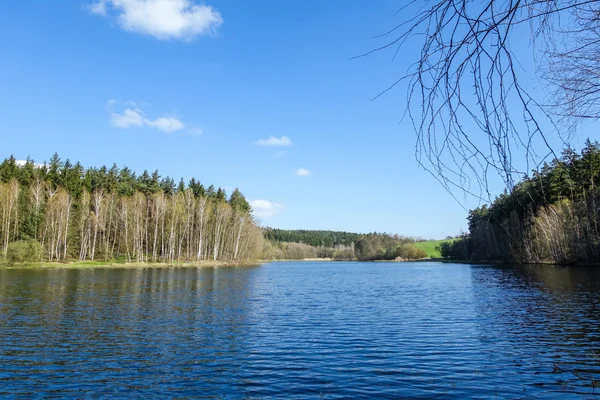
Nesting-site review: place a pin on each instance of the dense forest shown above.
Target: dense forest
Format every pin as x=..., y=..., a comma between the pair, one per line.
x=551, y=216
x=314, y=238
x=303, y=244
x=76, y=213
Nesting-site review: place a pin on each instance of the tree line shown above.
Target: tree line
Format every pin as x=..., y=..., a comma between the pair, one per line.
x=551, y=216
x=316, y=238
x=383, y=246
x=78, y=213
x=342, y=246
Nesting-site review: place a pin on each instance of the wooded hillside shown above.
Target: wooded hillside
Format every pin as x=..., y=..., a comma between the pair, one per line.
x=552, y=216
x=297, y=244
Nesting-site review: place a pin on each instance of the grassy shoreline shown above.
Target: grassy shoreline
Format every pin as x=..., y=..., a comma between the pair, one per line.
x=431, y=247
x=114, y=264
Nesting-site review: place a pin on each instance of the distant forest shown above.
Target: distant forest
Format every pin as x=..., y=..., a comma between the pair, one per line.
x=551, y=216
x=339, y=245
x=314, y=238
x=62, y=211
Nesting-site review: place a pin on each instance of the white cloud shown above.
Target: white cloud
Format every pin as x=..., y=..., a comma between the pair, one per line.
x=303, y=172
x=274, y=141
x=166, y=124
x=128, y=118
x=21, y=163
x=132, y=115
x=280, y=154
x=163, y=19
x=265, y=208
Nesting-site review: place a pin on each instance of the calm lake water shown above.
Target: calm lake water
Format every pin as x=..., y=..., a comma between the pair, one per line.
x=302, y=330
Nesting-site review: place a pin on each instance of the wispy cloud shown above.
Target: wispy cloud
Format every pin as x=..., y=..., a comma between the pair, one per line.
x=128, y=118
x=166, y=124
x=280, y=154
x=303, y=172
x=265, y=208
x=275, y=141
x=162, y=19
x=133, y=116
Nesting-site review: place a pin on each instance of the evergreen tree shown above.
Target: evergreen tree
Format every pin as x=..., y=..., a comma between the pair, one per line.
x=78, y=213
x=181, y=186
x=239, y=202
x=8, y=169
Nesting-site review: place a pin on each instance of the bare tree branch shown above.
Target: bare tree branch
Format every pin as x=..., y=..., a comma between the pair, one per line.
x=466, y=103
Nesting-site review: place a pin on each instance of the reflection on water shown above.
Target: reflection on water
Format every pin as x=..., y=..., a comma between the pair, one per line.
x=302, y=330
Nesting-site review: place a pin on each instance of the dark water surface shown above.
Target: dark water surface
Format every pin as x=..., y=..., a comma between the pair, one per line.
x=292, y=330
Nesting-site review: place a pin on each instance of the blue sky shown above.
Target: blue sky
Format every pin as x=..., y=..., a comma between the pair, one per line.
x=257, y=95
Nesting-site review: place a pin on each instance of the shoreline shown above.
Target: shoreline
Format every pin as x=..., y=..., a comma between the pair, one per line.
x=493, y=262
x=442, y=261
x=107, y=264
x=216, y=264
x=299, y=260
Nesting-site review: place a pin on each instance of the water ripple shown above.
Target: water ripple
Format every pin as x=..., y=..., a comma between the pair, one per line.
x=302, y=330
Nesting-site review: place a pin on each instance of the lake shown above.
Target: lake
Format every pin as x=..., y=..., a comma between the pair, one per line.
x=302, y=330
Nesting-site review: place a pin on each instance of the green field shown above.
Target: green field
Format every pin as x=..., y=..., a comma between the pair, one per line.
x=430, y=247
